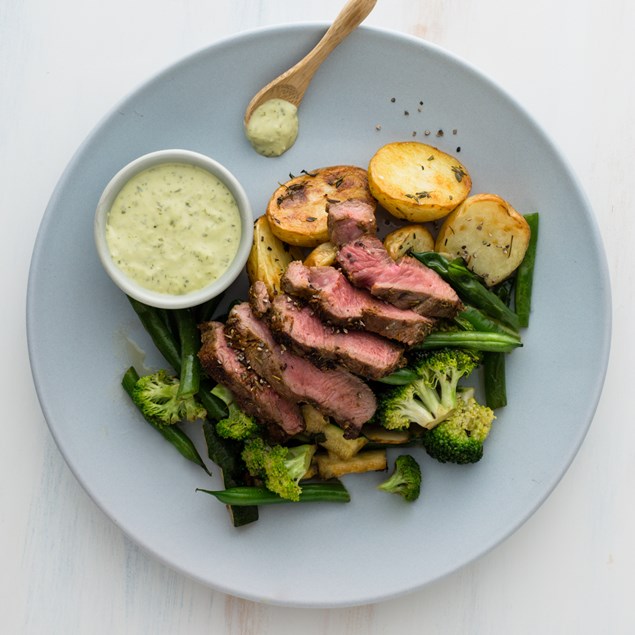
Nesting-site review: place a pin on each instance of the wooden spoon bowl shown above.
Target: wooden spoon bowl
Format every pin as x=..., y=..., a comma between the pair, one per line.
x=293, y=83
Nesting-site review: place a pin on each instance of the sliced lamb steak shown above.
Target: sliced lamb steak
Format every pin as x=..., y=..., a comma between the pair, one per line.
x=362, y=353
x=259, y=298
x=337, y=301
x=407, y=283
x=253, y=395
x=335, y=392
x=349, y=220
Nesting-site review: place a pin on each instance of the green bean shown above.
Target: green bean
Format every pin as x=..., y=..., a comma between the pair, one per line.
x=158, y=330
x=190, y=373
x=228, y=458
x=129, y=379
x=168, y=346
x=435, y=261
x=226, y=454
x=479, y=321
x=400, y=377
x=493, y=363
x=525, y=273
x=167, y=320
x=494, y=380
x=468, y=286
x=505, y=289
x=172, y=433
x=327, y=492
x=472, y=340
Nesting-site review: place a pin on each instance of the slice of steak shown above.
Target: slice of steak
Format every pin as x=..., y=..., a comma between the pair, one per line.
x=418, y=283
x=342, y=304
x=253, y=395
x=362, y=353
x=349, y=220
x=407, y=283
x=335, y=392
x=259, y=298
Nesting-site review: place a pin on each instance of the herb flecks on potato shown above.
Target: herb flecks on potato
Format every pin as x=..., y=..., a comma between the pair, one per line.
x=489, y=234
x=298, y=209
x=413, y=237
x=416, y=181
x=269, y=257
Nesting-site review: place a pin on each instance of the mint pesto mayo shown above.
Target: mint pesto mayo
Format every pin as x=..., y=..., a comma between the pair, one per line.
x=273, y=127
x=173, y=228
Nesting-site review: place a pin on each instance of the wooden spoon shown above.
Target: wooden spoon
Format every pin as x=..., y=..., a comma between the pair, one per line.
x=292, y=84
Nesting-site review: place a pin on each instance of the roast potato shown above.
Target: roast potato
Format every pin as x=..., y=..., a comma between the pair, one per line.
x=269, y=257
x=324, y=255
x=314, y=420
x=417, y=182
x=379, y=434
x=297, y=210
x=489, y=234
x=336, y=445
x=400, y=241
x=331, y=466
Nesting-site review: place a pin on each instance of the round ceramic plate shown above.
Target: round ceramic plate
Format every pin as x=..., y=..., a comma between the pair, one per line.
x=376, y=88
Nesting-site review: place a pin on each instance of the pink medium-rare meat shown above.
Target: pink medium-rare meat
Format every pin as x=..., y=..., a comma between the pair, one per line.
x=349, y=220
x=406, y=284
x=342, y=304
x=252, y=394
x=335, y=392
x=362, y=353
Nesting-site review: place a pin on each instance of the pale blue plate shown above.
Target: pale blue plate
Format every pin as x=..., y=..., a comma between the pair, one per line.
x=82, y=332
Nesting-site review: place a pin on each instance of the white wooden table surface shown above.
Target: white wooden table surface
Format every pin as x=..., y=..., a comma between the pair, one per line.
x=65, y=568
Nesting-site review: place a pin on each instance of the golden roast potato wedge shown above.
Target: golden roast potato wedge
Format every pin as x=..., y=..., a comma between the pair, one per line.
x=297, y=210
x=314, y=420
x=336, y=445
x=488, y=233
x=331, y=466
x=324, y=255
x=400, y=241
x=379, y=434
x=416, y=181
x=269, y=257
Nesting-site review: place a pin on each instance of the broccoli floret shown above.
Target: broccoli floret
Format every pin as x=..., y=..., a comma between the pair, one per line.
x=157, y=397
x=397, y=407
x=279, y=467
x=440, y=372
x=237, y=424
x=427, y=400
x=460, y=437
x=405, y=479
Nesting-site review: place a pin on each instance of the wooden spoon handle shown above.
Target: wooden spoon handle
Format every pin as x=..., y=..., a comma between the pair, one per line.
x=292, y=84
x=348, y=19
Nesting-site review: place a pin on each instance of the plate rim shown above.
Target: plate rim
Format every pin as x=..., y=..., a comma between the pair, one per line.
x=310, y=28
